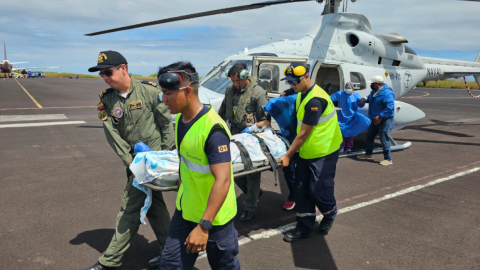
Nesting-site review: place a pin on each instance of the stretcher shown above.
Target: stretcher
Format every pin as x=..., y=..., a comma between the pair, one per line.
x=169, y=182
x=246, y=167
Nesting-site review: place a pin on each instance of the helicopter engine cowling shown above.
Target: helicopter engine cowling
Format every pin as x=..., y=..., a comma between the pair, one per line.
x=359, y=41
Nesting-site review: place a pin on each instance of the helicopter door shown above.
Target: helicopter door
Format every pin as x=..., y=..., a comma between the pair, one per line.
x=269, y=72
x=329, y=77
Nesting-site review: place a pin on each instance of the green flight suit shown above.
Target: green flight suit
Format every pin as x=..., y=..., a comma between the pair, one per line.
x=234, y=110
x=140, y=117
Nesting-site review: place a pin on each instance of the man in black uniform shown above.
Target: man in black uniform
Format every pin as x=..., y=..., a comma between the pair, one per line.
x=132, y=112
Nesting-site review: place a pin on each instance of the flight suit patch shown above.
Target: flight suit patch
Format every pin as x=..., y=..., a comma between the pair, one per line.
x=117, y=112
x=102, y=115
x=133, y=105
x=100, y=106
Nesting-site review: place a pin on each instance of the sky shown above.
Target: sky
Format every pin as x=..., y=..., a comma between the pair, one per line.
x=51, y=33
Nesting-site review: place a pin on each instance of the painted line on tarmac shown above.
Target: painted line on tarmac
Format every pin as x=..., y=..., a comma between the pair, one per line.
x=426, y=94
x=74, y=107
x=34, y=101
x=42, y=124
x=286, y=228
x=436, y=97
x=33, y=117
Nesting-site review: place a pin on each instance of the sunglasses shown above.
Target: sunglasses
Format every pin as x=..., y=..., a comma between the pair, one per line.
x=108, y=72
x=296, y=81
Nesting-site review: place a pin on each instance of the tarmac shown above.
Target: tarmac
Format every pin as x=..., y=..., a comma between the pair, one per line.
x=61, y=188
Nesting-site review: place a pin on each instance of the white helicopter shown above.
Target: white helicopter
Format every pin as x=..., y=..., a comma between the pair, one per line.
x=339, y=47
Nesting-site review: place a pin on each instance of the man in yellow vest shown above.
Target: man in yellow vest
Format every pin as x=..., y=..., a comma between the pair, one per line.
x=317, y=142
x=206, y=201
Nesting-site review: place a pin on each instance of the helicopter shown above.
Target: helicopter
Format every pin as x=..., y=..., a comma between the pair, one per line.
x=338, y=48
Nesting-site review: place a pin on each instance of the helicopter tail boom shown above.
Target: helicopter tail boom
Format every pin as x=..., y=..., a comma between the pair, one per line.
x=440, y=69
x=477, y=77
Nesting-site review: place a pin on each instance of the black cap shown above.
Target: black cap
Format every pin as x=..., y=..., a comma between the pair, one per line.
x=108, y=59
x=295, y=71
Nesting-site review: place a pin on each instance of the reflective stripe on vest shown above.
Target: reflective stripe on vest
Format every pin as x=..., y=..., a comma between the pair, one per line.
x=322, y=119
x=194, y=166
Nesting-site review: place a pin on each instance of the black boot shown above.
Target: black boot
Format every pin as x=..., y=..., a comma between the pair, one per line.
x=294, y=235
x=154, y=263
x=247, y=216
x=325, y=226
x=97, y=266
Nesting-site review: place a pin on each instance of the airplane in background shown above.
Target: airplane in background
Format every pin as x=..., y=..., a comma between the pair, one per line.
x=7, y=67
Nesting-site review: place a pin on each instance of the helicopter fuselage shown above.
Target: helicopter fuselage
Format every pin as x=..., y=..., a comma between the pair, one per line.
x=340, y=48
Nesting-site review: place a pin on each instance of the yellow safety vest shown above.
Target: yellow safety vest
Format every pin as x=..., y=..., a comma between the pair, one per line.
x=197, y=179
x=326, y=136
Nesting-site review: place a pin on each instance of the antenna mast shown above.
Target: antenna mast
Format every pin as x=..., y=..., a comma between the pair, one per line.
x=332, y=6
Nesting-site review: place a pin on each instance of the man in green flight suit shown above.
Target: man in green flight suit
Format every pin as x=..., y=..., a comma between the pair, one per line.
x=242, y=108
x=132, y=112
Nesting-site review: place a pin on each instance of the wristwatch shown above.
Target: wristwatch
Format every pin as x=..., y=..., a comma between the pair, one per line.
x=205, y=224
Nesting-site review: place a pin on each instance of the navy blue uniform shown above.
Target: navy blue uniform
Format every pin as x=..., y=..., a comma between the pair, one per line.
x=314, y=181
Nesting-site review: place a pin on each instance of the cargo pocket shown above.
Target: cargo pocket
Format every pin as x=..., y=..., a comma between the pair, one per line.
x=126, y=193
x=329, y=184
x=226, y=250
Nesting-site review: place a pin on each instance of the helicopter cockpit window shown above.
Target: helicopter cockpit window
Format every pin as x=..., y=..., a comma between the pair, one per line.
x=218, y=81
x=409, y=50
x=358, y=80
x=269, y=77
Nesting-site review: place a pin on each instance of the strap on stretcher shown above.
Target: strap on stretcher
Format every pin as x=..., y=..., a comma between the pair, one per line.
x=273, y=162
x=247, y=161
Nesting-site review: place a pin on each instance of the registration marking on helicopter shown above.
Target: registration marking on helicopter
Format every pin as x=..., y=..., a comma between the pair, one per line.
x=286, y=228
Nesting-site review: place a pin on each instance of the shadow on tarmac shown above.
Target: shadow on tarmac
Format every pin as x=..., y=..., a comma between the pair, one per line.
x=440, y=142
x=438, y=123
x=90, y=126
x=311, y=253
x=137, y=256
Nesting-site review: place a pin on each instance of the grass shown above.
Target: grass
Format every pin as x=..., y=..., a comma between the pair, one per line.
x=67, y=74
x=449, y=84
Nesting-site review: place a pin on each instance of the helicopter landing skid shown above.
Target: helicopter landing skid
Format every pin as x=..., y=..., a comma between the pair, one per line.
x=394, y=147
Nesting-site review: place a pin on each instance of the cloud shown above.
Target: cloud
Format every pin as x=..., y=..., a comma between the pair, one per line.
x=51, y=33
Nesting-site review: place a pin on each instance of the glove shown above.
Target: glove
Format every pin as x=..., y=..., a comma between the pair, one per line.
x=141, y=147
x=250, y=129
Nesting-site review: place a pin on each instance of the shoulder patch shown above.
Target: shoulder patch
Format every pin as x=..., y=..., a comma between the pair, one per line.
x=103, y=115
x=100, y=106
x=222, y=148
x=106, y=91
x=149, y=82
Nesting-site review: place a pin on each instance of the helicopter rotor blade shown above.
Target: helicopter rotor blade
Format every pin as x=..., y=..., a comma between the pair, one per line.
x=197, y=15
